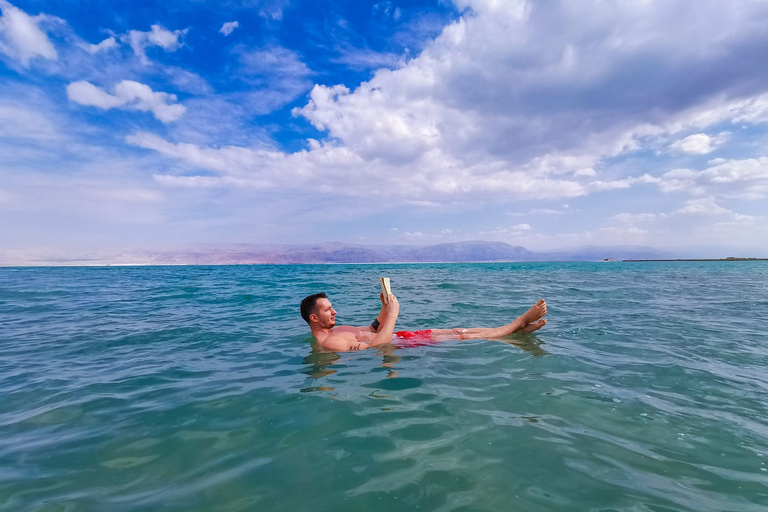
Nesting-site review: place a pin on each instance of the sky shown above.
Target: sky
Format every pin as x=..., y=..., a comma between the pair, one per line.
x=547, y=124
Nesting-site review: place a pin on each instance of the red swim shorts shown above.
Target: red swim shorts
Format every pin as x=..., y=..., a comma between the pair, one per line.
x=415, y=338
x=406, y=335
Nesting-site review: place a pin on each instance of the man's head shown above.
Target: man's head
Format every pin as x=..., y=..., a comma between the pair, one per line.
x=317, y=308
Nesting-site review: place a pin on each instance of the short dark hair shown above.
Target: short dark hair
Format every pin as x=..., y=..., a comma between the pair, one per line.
x=309, y=303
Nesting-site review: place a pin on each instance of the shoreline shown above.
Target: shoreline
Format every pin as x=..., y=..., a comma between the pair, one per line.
x=699, y=259
x=201, y=264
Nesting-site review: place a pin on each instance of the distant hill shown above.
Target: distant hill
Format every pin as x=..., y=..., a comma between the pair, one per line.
x=598, y=253
x=470, y=251
x=332, y=252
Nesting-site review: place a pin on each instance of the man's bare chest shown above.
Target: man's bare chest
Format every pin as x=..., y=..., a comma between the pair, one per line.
x=353, y=333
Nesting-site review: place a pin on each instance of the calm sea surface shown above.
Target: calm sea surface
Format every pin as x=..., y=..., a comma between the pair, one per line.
x=196, y=389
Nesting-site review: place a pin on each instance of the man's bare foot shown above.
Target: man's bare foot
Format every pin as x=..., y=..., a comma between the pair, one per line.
x=537, y=311
x=535, y=326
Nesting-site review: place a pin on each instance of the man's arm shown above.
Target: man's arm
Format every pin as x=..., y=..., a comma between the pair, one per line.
x=379, y=318
x=391, y=311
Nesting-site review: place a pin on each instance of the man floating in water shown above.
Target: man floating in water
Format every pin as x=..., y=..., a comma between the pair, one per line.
x=318, y=312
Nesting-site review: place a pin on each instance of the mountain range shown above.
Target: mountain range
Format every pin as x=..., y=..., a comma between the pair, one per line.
x=332, y=252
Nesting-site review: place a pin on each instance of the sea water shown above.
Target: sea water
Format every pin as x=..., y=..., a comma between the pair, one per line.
x=197, y=389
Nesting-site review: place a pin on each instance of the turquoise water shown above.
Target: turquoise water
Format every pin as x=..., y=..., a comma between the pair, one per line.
x=196, y=389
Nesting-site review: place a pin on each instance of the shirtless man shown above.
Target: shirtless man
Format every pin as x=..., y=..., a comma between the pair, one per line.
x=318, y=312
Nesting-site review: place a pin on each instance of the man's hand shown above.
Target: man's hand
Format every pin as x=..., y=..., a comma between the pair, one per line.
x=386, y=301
x=393, y=307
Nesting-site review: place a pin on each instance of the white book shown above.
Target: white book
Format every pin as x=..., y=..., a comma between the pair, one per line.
x=385, y=288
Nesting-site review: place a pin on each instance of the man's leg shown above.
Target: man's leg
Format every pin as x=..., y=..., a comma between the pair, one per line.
x=527, y=322
x=534, y=326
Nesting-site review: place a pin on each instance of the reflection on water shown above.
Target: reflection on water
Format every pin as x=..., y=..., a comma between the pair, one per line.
x=531, y=343
x=318, y=362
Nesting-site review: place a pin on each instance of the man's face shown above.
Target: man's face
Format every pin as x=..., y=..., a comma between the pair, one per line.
x=326, y=315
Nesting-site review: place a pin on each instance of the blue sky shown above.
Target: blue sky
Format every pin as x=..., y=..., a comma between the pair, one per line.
x=547, y=124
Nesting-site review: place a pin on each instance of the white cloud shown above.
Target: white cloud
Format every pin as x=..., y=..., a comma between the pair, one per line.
x=273, y=61
x=276, y=76
x=544, y=211
x=699, y=144
x=128, y=95
x=387, y=10
x=515, y=100
x=21, y=37
x=272, y=10
x=747, y=179
x=753, y=111
x=228, y=27
x=368, y=59
x=516, y=230
x=103, y=46
x=628, y=218
x=704, y=206
x=187, y=81
x=699, y=221
x=333, y=169
x=271, y=14
x=232, y=161
x=545, y=94
x=157, y=36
